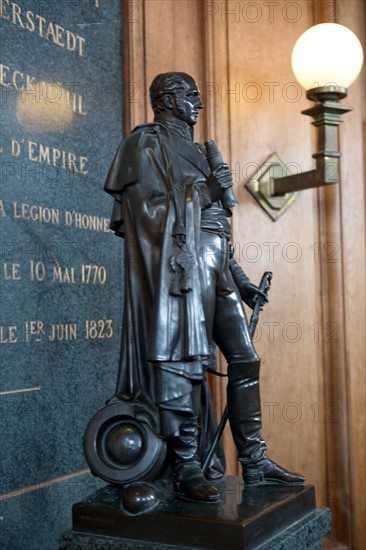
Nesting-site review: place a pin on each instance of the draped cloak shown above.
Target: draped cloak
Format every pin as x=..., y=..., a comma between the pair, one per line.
x=158, y=181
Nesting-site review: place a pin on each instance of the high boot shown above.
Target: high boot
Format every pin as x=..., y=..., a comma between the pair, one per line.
x=243, y=401
x=190, y=482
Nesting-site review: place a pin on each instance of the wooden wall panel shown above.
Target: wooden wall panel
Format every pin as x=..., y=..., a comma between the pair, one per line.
x=352, y=201
x=262, y=118
x=311, y=335
x=250, y=129
x=134, y=74
x=169, y=32
x=217, y=127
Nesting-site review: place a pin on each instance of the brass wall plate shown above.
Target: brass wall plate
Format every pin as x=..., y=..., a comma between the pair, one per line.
x=260, y=185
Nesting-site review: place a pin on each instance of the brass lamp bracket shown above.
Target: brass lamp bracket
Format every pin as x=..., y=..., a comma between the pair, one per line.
x=260, y=185
x=272, y=185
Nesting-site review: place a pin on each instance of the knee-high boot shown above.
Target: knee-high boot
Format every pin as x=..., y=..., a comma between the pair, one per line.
x=189, y=480
x=243, y=401
x=185, y=461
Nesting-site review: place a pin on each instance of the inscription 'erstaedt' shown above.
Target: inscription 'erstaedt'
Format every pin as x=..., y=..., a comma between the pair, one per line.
x=48, y=30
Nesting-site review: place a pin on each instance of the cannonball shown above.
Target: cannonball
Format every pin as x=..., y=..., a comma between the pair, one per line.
x=139, y=498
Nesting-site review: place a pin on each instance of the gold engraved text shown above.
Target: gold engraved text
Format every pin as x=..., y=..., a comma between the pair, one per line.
x=63, y=331
x=36, y=213
x=64, y=274
x=38, y=152
x=11, y=272
x=98, y=329
x=48, y=30
x=8, y=334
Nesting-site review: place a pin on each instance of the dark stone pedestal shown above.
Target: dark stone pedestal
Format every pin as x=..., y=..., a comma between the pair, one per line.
x=265, y=518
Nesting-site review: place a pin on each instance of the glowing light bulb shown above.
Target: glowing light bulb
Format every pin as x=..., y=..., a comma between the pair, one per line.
x=328, y=54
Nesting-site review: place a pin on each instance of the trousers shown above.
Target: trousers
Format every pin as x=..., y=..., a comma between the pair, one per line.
x=226, y=327
x=225, y=317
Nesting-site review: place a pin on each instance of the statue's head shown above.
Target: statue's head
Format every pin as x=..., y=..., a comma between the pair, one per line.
x=177, y=95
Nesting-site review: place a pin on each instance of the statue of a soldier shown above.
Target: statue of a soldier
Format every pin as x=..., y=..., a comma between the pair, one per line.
x=184, y=292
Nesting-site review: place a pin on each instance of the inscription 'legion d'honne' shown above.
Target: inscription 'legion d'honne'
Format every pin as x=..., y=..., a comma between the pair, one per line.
x=48, y=30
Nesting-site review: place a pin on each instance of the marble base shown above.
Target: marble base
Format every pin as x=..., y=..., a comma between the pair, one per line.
x=264, y=518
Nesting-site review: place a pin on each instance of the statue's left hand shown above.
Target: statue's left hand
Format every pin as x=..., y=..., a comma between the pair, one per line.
x=250, y=293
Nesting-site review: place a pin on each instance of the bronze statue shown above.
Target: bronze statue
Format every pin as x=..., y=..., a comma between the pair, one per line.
x=183, y=296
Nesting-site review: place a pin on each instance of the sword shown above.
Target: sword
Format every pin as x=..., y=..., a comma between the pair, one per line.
x=264, y=286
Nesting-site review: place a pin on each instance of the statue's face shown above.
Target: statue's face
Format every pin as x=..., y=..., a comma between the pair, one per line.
x=186, y=103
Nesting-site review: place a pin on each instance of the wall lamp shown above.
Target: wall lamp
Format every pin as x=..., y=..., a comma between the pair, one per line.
x=326, y=60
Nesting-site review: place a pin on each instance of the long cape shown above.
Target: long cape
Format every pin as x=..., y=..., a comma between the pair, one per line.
x=150, y=179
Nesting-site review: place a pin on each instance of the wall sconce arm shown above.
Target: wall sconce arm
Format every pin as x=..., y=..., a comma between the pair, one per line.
x=275, y=191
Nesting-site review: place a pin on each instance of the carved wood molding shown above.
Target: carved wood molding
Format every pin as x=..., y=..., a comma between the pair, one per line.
x=335, y=363
x=215, y=71
x=133, y=64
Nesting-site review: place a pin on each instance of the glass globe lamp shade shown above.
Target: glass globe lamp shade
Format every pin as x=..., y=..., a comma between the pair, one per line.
x=327, y=55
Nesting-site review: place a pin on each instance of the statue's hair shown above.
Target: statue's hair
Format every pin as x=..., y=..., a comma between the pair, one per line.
x=165, y=83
